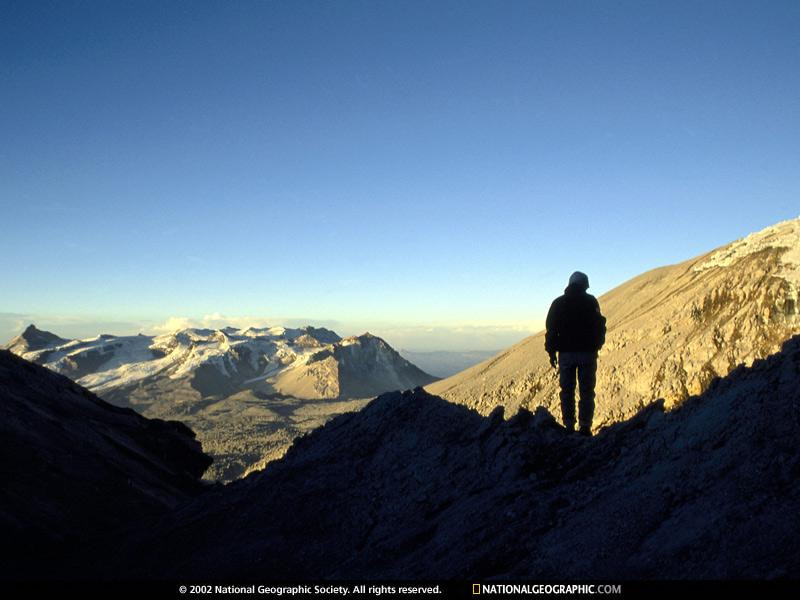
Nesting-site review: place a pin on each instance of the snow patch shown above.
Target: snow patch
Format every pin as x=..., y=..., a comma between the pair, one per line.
x=783, y=235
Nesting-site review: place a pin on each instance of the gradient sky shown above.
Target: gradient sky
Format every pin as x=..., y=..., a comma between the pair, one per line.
x=434, y=170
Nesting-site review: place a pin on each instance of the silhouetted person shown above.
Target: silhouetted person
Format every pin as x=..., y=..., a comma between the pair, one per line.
x=576, y=330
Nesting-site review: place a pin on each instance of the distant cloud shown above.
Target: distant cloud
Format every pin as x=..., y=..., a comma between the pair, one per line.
x=218, y=321
x=11, y=325
x=174, y=323
x=212, y=321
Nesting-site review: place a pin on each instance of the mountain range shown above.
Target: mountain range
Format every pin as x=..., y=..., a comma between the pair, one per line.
x=246, y=392
x=411, y=487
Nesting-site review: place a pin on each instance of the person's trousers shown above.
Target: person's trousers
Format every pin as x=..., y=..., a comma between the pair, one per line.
x=584, y=366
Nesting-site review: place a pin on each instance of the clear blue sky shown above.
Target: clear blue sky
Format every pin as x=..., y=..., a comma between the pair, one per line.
x=413, y=164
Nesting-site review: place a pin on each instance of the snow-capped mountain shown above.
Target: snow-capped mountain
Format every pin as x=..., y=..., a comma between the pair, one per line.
x=671, y=332
x=247, y=392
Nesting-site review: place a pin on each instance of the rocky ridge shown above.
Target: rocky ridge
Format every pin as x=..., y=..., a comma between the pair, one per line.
x=415, y=487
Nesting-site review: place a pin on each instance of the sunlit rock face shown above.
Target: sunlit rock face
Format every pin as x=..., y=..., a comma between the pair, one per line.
x=670, y=332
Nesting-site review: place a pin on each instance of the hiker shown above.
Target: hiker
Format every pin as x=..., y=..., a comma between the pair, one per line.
x=576, y=330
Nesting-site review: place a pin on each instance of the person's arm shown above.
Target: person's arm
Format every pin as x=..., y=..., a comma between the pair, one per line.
x=551, y=333
x=600, y=327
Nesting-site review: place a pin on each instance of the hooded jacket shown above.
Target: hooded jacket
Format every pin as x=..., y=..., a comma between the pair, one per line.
x=574, y=323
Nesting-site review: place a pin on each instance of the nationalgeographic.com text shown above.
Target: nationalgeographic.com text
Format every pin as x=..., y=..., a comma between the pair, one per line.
x=546, y=588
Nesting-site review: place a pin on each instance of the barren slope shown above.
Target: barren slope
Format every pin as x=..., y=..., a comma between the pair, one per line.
x=670, y=331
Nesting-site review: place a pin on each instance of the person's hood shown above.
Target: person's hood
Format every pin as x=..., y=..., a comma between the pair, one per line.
x=574, y=288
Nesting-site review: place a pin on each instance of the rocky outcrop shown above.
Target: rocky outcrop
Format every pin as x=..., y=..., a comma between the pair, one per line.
x=366, y=362
x=671, y=331
x=76, y=469
x=416, y=487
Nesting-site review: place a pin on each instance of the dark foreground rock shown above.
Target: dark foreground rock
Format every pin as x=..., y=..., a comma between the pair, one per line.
x=415, y=487
x=76, y=469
